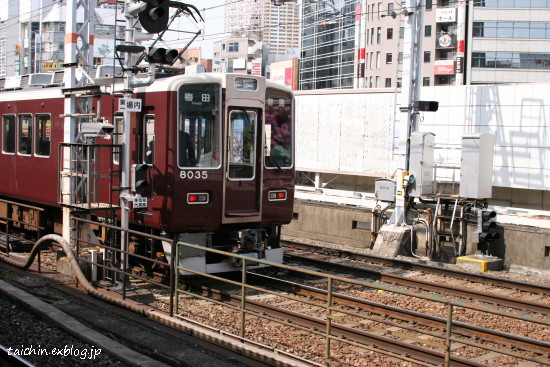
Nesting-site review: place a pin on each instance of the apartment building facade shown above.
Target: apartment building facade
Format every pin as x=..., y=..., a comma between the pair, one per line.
x=277, y=26
x=474, y=42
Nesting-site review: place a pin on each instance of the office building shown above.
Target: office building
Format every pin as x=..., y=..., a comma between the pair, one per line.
x=359, y=43
x=278, y=27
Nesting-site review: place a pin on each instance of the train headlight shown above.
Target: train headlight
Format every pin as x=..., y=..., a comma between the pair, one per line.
x=198, y=198
x=278, y=195
x=246, y=84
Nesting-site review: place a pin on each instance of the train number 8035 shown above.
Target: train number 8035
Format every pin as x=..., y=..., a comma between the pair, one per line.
x=194, y=175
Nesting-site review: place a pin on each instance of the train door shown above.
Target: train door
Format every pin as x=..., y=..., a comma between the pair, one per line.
x=243, y=181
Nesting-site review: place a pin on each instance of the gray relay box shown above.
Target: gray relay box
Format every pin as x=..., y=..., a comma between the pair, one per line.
x=384, y=189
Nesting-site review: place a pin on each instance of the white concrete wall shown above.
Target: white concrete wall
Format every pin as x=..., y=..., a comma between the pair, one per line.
x=345, y=132
x=352, y=132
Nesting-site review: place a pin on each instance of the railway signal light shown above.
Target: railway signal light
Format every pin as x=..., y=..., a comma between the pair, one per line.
x=140, y=178
x=154, y=16
x=162, y=56
x=486, y=222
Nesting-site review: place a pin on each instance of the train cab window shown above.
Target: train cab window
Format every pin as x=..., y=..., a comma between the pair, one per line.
x=242, y=147
x=8, y=134
x=149, y=139
x=25, y=135
x=199, y=126
x=278, y=130
x=43, y=137
x=117, y=136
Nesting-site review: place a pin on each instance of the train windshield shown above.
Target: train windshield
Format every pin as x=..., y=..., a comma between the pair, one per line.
x=199, y=126
x=278, y=129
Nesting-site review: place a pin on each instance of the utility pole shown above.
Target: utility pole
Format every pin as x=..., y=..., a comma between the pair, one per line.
x=410, y=92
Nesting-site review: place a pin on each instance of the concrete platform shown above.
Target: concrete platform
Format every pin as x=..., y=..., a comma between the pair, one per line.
x=480, y=263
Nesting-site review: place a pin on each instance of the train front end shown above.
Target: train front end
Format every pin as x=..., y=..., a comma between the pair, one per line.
x=234, y=170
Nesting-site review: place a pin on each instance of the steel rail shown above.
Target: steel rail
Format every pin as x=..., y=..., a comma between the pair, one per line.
x=425, y=285
x=363, y=338
x=408, y=265
x=409, y=316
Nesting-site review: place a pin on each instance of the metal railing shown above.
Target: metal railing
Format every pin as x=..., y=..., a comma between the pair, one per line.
x=118, y=265
x=335, y=313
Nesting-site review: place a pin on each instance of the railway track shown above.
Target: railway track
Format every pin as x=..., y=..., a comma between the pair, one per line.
x=350, y=322
x=402, y=334
x=394, y=347
x=518, y=295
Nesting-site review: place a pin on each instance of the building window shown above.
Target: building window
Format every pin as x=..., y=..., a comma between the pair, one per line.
x=389, y=57
x=372, y=36
x=444, y=80
x=426, y=82
x=370, y=82
x=512, y=29
x=427, y=56
x=379, y=10
x=390, y=8
x=233, y=47
x=389, y=33
x=377, y=82
x=371, y=59
x=428, y=31
x=512, y=4
x=377, y=59
x=400, y=58
x=429, y=4
x=379, y=35
x=388, y=82
x=402, y=32
x=399, y=82
x=513, y=60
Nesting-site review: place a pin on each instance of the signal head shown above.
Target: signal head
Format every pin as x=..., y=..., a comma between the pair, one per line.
x=162, y=56
x=154, y=19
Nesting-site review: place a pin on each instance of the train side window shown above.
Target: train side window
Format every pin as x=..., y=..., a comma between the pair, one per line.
x=149, y=139
x=117, y=136
x=278, y=130
x=25, y=135
x=43, y=137
x=8, y=134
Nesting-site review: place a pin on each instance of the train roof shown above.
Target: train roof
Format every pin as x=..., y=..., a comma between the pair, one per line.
x=21, y=88
x=174, y=82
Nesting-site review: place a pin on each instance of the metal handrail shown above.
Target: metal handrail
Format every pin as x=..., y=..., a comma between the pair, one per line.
x=123, y=270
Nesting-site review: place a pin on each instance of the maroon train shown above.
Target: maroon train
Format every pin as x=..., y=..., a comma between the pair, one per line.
x=218, y=152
